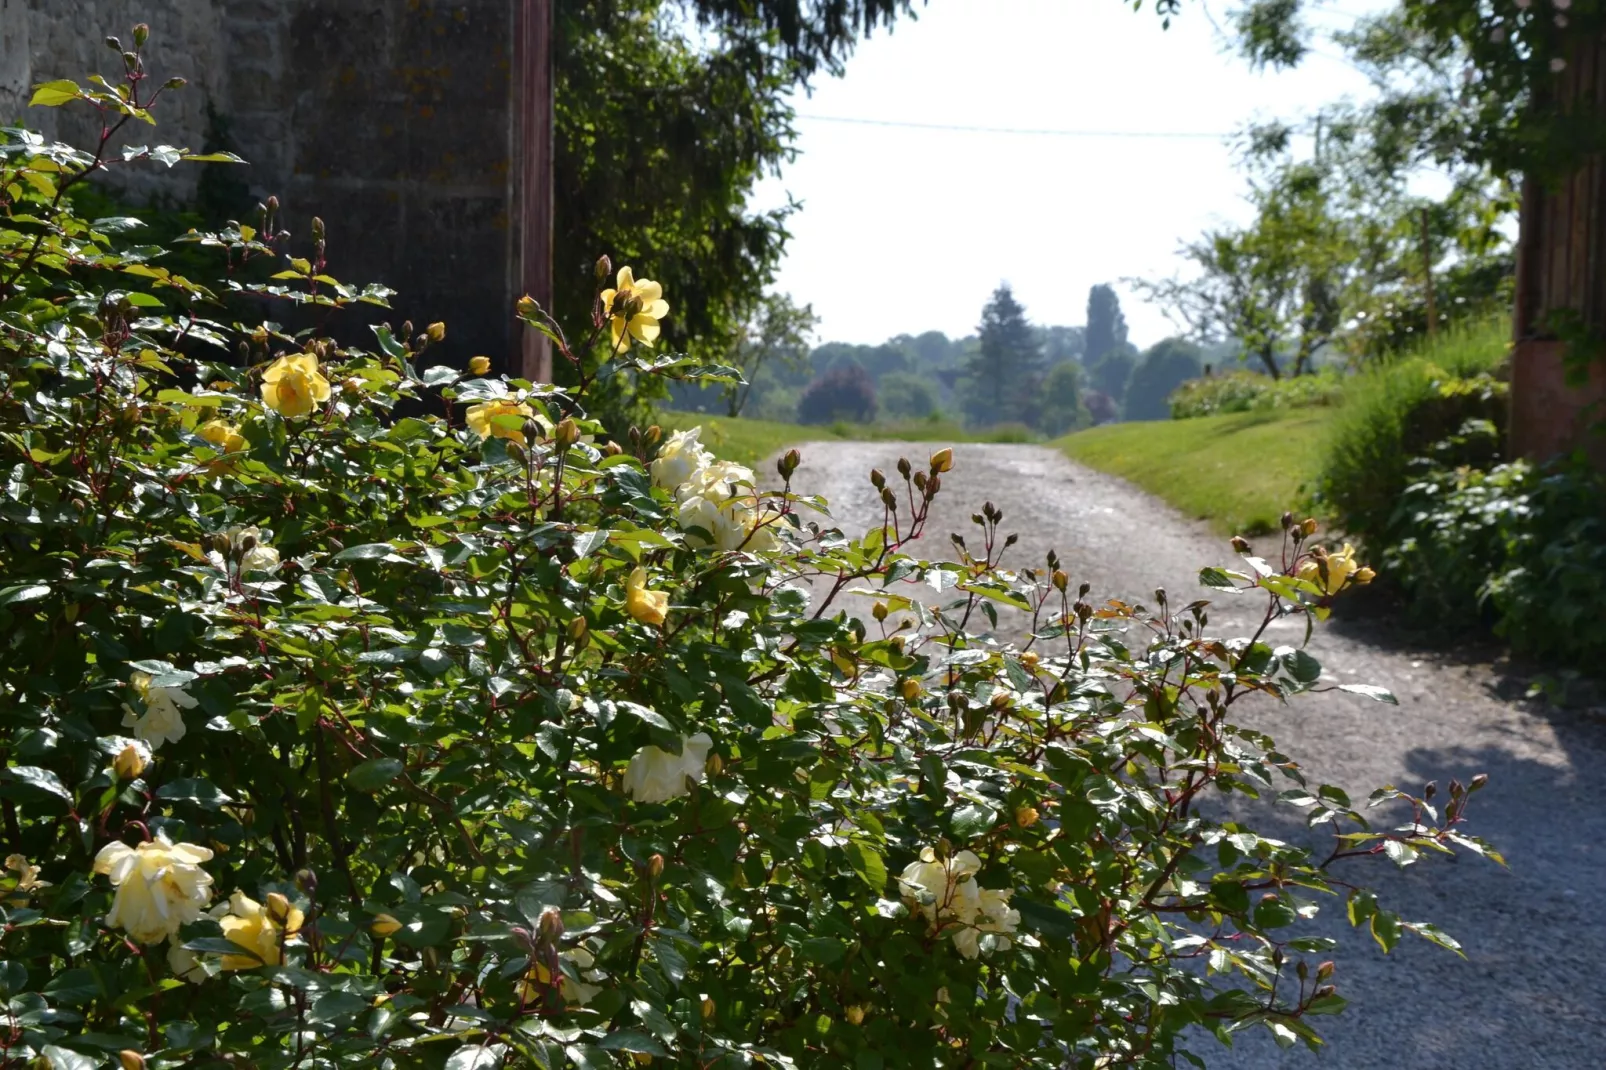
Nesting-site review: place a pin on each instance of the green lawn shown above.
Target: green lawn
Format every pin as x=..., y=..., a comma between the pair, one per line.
x=743, y=441
x=751, y=441
x=1239, y=471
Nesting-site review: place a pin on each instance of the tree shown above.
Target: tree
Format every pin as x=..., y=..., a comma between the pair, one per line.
x=777, y=335
x=907, y=395
x=1004, y=370
x=844, y=393
x=1513, y=88
x=1106, y=326
x=1110, y=373
x=1166, y=366
x=1062, y=400
x=663, y=125
x=1277, y=285
x=1062, y=344
x=1100, y=407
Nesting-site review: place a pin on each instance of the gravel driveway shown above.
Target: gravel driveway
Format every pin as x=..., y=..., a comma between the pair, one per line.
x=1531, y=992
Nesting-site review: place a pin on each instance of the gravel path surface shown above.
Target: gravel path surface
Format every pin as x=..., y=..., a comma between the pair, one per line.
x=1532, y=991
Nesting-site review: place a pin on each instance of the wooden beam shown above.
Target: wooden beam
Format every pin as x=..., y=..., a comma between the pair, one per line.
x=532, y=166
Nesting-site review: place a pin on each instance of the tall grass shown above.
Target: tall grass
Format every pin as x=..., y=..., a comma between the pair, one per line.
x=1396, y=410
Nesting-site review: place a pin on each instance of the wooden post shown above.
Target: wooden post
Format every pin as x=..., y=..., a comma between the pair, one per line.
x=532, y=168
x=1427, y=276
x=1561, y=276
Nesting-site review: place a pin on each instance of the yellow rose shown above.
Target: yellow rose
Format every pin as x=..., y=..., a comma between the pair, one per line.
x=483, y=420
x=293, y=386
x=384, y=925
x=225, y=436
x=260, y=930
x=634, y=309
x=1341, y=565
x=680, y=459
x=479, y=365
x=163, y=719
x=654, y=775
x=649, y=607
x=160, y=886
x=131, y=761
x=27, y=880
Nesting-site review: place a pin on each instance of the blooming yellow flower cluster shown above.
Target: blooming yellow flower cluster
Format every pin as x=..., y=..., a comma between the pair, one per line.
x=716, y=497
x=160, y=886
x=945, y=891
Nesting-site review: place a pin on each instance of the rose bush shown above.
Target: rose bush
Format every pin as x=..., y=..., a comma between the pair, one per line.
x=357, y=714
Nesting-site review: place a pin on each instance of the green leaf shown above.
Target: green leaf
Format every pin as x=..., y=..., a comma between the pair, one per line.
x=633, y=1040
x=868, y=864
x=29, y=592
x=374, y=774
x=55, y=94
x=74, y=987
x=66, y=1059
x=193, y=789
x=1051, y=921
x=339, y=1007
x=973, y=819
x=43, y=779
x=825, y=950
x=1400, y=853
x=368, y=551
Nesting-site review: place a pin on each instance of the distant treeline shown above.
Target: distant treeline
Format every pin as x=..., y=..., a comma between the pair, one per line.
x=1050, y=379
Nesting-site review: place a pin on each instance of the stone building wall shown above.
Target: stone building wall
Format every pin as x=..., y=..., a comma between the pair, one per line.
x=390, y=119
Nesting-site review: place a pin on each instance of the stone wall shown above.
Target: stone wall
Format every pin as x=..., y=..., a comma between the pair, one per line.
x=390, y=119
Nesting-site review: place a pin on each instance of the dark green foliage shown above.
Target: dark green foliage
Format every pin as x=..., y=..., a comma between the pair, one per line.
x=1063, y=409
x=904, y=395
x=844, y=393
x=659, y=139
x=1111, y=372
x=1166, y=366
x=1004, y=371
x=1401, y=410
x=1106, y=324
x=1517, y=546
x=1062, y=344
x=1241, y=390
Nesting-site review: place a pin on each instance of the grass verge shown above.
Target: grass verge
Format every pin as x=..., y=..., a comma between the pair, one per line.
x=751, y=441
x=1240, y=471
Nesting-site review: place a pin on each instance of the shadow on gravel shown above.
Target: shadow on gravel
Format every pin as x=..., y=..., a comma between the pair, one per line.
x=1529, y=992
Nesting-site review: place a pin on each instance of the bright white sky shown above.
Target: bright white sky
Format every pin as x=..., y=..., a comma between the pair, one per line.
x=906, y=230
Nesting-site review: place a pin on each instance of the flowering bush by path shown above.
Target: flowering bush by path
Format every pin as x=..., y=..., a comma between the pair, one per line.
x=340, y=738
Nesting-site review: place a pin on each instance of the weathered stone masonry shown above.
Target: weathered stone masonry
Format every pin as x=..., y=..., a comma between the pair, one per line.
x=393, y=120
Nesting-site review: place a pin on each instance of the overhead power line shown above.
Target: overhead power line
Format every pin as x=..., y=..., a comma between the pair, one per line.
x=1194, y=135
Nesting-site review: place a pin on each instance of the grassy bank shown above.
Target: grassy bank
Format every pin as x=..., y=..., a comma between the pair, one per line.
x=751, y=441
x=1240, y=471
